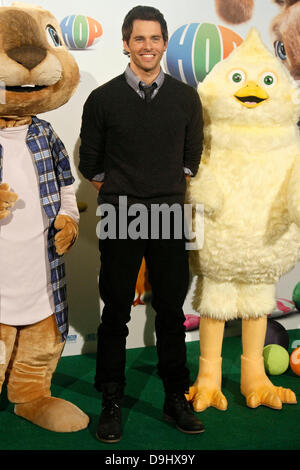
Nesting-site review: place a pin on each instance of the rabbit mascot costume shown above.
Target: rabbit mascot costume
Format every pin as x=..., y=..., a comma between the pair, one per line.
x=38, y=214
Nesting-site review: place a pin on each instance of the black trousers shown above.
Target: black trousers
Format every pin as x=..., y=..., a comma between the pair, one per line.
x=168, y=270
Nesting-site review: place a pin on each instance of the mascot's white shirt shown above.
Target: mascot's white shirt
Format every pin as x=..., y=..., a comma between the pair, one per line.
x=25, y=288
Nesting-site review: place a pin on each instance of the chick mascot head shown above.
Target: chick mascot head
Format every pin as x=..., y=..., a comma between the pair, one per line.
x=38, y=212
x=248, y=182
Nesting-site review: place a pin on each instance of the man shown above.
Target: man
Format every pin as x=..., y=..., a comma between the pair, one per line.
x=141, y=132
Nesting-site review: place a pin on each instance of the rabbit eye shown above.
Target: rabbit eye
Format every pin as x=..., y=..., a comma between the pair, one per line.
x=280, y=50
x=52, y=36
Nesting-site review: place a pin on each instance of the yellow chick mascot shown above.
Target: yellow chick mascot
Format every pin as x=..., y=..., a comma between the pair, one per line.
x=248, y=182
x=38, y=212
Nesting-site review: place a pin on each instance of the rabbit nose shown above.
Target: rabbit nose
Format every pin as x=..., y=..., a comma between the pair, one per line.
x=28, y=56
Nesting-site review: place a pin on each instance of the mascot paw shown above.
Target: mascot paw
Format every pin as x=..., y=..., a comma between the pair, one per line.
x=203, y=398
x=212, y=204
x=67, y=233
x=7, y=200
x=273, y=397
x=205, y=191
x=53, y=414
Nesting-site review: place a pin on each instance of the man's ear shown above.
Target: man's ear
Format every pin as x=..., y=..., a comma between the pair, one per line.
x=125, y=46
x=166, y=45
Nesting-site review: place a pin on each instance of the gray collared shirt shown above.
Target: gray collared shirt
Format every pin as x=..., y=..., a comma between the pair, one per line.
x=135, y=82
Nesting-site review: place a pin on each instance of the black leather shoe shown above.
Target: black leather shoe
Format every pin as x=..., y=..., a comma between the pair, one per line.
x=110, y=421
x=178, y=411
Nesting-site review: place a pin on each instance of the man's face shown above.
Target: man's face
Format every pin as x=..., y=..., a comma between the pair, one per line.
x=146, y=46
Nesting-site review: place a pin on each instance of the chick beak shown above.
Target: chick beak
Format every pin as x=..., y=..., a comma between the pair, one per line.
x=251, y=95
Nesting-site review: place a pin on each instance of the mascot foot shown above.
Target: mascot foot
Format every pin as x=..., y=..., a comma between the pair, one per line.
x=273, y=397
x=206, y=391
x=53, y=414
x=259, y=390
x=204, y=398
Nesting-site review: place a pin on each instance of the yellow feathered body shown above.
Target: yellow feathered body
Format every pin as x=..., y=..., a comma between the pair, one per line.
x=248, y=182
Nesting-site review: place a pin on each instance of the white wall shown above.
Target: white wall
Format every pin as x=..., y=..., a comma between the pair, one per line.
x=98, y=64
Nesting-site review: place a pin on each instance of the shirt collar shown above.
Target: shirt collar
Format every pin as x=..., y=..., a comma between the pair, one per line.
x=134, y=81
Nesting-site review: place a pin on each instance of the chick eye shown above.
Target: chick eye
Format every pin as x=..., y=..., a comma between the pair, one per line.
x=280, y=50
x=237, y=76
x=53, y=37
x=268, y=79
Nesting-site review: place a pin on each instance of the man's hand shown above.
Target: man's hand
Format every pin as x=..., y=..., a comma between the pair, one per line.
x=7, y=200
x=67, y=235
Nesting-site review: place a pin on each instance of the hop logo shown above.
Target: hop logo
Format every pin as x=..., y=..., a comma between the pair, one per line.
x=80, y=32
x=195, y=48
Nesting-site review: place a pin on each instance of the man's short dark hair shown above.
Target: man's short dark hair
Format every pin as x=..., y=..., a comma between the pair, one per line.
x=143, y=13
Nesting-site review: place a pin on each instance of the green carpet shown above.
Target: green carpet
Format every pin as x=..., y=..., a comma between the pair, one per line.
x=238, y=428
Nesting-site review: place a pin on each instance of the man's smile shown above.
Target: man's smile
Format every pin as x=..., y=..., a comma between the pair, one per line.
x=147, y=55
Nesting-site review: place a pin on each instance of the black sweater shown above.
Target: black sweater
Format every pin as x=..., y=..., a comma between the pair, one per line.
x=141, y=147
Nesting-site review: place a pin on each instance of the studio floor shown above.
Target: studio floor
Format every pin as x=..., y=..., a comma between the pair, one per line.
x=238, y=428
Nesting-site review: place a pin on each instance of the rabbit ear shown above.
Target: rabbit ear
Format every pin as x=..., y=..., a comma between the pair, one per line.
x=234, y=11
